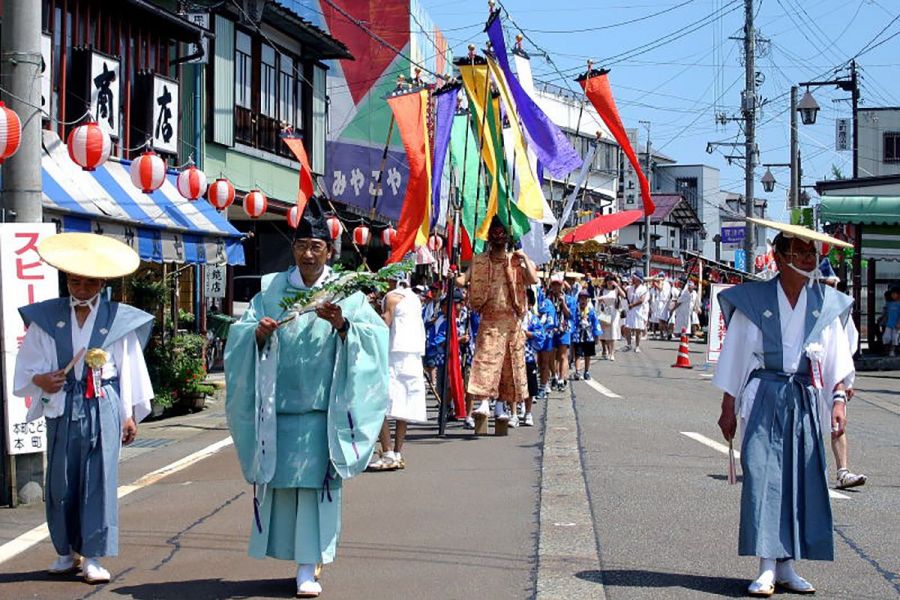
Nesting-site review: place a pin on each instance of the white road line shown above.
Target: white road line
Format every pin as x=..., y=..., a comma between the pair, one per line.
x=697, y=437
x=602, y=389
x=37, y=535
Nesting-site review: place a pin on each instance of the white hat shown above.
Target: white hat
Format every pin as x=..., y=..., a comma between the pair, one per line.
x=89, y=255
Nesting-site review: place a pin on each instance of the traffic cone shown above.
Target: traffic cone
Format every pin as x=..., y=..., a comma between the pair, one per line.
x=684, y=357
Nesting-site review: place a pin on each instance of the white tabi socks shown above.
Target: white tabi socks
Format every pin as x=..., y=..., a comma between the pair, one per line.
x=307, y=586
x=764, y=584
x=786, y=577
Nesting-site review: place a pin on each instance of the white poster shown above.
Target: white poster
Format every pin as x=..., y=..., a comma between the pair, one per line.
x=26, y=279
x=105, y=87
x=215, y=281
x=201, y=19
x=46, y=73
x=716, y=323
x=165, y=115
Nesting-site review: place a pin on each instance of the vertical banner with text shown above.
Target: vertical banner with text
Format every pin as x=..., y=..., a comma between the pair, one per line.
x=716, y=323
x=26, y=279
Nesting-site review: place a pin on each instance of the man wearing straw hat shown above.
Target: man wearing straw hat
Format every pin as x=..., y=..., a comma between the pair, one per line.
x=82, y=364
x=785, y=358
x=306, y=400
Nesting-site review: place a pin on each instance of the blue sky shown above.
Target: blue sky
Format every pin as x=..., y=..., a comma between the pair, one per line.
x=679, y=68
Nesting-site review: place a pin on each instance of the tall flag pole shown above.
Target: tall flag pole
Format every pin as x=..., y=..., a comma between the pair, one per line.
x=596, y=87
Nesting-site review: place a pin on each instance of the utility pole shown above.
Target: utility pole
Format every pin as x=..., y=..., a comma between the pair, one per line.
x=20, y=198
x=648, y=245
x=854, y=96
x=748, y=106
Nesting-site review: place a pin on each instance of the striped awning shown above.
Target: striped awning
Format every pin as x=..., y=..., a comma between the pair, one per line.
x=161, y=226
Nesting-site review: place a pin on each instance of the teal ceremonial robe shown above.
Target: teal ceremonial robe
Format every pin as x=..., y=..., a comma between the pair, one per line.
x=304, y=412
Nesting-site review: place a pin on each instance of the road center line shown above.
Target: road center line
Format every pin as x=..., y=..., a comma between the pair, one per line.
x=602, y=389
x=720, y=447
x=40, y=533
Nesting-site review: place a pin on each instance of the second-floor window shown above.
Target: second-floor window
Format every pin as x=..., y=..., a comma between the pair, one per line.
x=243, y=70
x=892, y=146
x=268, y=82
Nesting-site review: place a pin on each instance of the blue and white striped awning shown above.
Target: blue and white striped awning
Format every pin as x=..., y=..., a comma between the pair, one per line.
x=161, y=226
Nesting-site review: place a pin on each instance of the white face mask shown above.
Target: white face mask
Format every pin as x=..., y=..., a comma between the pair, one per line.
x=74, y=302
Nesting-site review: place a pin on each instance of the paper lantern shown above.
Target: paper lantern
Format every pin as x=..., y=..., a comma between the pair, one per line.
x=435, y=243
x=148, y=171
x=89, y=146
x=220, y=193
x=10, y=132
x=361, y=235
x=388, y=236
x=191, y=183
x=255, y=204
x=334, y=227
x=293, y=217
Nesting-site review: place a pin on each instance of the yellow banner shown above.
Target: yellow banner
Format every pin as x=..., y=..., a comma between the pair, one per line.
x=477, y=84
x=425, y=229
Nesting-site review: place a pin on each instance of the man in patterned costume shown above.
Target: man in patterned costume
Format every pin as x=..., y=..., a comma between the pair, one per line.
x=497, y=279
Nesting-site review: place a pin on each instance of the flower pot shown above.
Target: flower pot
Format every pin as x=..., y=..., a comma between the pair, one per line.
x=193, y=402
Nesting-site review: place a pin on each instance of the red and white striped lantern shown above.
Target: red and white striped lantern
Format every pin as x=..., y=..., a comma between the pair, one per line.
x=361, y=235
x=435, y=243
x=255, y=204
x=334, y=227
x=293, y=217
x=388, y=236
x=148, y=171
x=221, y=193
x=89, y=146
x=191, y=183
x=10, y=132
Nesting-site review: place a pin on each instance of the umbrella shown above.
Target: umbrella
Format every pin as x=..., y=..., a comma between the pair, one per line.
x=602, y=225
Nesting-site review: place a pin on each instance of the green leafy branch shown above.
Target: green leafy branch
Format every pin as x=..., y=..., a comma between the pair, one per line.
x=345, y=283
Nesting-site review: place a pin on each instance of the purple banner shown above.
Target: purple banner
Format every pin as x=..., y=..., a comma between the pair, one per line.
x=351, y=177
x=444, y=109
x=548, y=142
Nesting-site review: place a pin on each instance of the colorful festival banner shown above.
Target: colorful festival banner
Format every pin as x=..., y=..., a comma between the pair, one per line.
x=464, y=161
x=548, y=141
x=410, y=115
x=444, y=109
x=596, y=88
x=295, y=143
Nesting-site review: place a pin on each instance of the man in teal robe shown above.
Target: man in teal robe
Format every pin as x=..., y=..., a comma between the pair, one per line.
x=305, y=401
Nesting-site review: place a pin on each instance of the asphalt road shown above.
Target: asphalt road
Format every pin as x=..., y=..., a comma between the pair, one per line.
x=664, y=515
x=606, y=498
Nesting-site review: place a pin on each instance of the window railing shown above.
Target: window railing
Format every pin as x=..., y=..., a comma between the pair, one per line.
x=259, y=131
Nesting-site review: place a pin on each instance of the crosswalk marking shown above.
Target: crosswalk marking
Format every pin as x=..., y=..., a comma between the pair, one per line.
x=602, y=389
x=698, y=437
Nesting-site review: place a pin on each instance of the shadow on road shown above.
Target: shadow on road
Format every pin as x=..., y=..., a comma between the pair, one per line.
x=723, y=586
x=209, y=589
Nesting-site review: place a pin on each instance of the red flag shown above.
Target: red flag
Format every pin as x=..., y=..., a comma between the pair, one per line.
x=306, y=180
x=410, y=119
x=596, y=88
x=454, y=368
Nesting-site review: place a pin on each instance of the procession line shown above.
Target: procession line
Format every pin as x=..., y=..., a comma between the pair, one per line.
x=602, y=389
x=40, y=533
x=697, y=437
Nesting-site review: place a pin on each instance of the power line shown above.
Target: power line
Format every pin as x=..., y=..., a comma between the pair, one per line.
x=613, y=25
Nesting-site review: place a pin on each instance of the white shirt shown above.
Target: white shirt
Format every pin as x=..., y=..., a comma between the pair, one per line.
x=126, y=361
x=742, y=353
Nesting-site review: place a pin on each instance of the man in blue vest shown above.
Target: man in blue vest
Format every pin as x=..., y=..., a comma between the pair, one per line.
x=785, y=354
x=82, y=364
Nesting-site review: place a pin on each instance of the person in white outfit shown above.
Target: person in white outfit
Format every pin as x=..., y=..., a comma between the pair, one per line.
x=637, y=297
x=684, y=309
x=402, y=311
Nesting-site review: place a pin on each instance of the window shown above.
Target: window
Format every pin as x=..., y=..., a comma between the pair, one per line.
x=287, y=87
x=892, y=146
x=687, y=187
x=268, y=85
x=319, y=119
x=243, y=70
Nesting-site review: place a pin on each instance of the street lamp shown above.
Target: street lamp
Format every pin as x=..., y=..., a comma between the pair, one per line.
x=808, y=108
x=768, y=181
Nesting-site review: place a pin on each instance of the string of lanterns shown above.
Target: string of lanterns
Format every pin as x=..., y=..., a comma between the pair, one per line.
x=89, y=146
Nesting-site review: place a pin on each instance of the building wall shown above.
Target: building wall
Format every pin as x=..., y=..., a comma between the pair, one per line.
x=874, y=126
x=705, y=198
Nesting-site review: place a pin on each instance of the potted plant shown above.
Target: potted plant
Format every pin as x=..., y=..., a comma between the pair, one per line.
x=177, y=371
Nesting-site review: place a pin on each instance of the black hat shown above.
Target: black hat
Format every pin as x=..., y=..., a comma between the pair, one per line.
x=313, y=224
x=497, y=222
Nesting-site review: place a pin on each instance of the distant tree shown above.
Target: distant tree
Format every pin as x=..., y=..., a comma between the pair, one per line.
x=836, y=172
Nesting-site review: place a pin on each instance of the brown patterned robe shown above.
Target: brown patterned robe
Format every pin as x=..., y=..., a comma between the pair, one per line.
x=497, y=292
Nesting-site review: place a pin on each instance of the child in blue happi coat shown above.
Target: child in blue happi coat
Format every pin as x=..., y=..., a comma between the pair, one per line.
x=535, y=334
x=585, y=331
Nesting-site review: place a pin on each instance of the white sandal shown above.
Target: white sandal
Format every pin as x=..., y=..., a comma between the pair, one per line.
x=846, y=479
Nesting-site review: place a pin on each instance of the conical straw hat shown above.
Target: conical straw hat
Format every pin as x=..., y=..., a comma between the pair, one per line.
x=89, y=255
x=801, y=232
